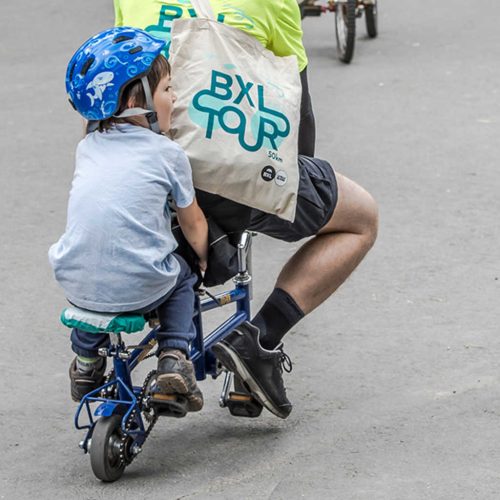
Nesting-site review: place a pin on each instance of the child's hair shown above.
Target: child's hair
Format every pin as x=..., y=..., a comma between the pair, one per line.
x=135, y=92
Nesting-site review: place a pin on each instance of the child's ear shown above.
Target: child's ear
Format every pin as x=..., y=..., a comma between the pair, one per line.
x=131, y=102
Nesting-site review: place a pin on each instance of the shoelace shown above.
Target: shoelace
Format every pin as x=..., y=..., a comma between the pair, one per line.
x=284, y=361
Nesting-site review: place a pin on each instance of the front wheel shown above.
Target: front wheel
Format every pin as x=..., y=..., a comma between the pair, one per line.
x=345, y=28
x=105, y=459
x=371, y=19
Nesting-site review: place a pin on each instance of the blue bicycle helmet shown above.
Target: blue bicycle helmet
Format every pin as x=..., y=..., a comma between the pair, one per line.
x=102, y=67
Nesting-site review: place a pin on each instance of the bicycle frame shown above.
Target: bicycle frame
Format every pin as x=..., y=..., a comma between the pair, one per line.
x=126, y=360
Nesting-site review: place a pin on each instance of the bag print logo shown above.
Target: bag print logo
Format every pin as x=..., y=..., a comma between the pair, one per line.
x=168, y=14
x=220, y=106
x=268, y=173
x=281, y=178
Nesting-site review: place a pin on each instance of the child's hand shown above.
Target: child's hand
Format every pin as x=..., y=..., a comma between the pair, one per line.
x=195, y=228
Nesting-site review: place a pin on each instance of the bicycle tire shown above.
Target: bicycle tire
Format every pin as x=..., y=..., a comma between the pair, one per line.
x=371, y=18
x=104, y=456
x=345, y=29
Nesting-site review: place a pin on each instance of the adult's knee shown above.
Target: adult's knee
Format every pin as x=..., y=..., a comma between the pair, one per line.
x=372, y=217
x=365, y=218
x=356, y=212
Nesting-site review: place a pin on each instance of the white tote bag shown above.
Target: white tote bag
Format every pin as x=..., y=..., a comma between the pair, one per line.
x=237, y=113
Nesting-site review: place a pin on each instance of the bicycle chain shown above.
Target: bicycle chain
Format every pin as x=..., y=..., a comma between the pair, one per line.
x=128, y=458
x=111, y=392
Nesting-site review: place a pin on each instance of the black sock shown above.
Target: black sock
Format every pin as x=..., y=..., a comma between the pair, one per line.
x=278, y=314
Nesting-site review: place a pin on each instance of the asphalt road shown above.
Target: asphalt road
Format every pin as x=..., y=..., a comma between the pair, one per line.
x=396, y=383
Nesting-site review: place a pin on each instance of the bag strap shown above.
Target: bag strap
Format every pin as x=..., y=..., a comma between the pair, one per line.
x=203, y=9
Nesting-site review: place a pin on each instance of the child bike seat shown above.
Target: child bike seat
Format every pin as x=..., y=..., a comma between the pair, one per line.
x=97, y=322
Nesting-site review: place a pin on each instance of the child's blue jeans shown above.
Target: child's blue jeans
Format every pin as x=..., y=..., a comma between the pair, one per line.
x=175, y=311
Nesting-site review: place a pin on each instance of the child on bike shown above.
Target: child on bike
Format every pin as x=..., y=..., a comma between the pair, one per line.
x=117, y=252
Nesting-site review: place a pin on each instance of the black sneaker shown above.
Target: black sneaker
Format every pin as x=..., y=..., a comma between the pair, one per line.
x=260, y=369
x=83, y=382
x=175, y=375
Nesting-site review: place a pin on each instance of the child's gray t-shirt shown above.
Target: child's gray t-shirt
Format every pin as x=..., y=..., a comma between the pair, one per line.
x=116, y=252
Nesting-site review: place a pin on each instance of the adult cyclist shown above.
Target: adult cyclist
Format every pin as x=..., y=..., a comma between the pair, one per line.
x=339, y=215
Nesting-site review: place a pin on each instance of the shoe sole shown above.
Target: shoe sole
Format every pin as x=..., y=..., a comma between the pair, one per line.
x=173, y=383
x=78, y=394
x=170, y=405
x=233, y=363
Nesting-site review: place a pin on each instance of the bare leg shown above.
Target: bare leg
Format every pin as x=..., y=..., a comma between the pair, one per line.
x=323, y=263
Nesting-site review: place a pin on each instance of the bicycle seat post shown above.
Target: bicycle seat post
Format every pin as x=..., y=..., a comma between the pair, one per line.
x=245, y=262
x=120, y=361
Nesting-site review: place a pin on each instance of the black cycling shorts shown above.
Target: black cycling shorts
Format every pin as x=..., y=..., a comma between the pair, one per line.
x=316, y=201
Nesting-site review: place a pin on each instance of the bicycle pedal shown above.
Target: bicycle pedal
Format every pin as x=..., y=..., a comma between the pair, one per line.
x=169, y=405
x=242, y=404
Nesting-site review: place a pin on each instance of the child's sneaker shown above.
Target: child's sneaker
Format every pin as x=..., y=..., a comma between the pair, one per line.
x=175, y=375
x=86, y=379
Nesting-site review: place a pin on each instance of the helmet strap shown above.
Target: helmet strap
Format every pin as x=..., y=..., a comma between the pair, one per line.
x=152, y=117
x=149, y=113
x=92, y=126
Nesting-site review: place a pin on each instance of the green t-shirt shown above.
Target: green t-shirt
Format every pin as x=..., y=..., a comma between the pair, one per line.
x=276, y=24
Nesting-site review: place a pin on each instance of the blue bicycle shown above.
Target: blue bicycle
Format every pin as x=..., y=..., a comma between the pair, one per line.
x=125, y=414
